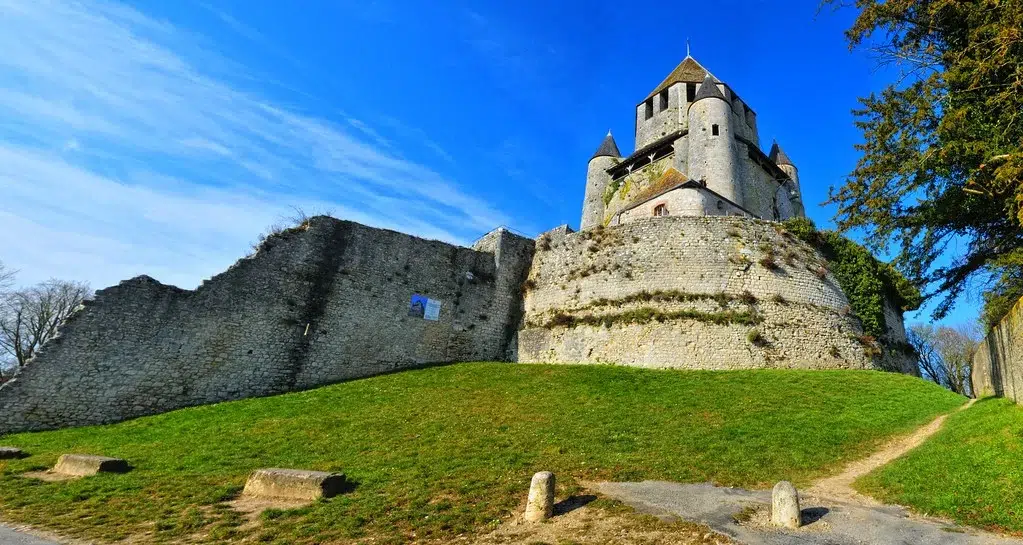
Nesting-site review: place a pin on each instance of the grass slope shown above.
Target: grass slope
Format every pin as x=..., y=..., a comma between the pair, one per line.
x=978, y=455
x=449, y=450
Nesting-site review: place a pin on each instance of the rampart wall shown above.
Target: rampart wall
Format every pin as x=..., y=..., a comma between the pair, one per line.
x=998, y=363
x=316, y=305
x=691, y=292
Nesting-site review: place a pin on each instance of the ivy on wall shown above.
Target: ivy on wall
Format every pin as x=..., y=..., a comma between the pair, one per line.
x=865, y=280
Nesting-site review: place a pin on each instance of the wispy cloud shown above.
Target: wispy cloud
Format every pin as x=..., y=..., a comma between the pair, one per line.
x=123, y=152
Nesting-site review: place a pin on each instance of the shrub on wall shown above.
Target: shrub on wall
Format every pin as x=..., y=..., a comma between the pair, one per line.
x=865, y=280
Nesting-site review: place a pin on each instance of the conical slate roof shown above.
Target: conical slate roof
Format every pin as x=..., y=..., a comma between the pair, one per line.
x=687, y=71
x=708, y=89
x=778, y=156
x=608, y=148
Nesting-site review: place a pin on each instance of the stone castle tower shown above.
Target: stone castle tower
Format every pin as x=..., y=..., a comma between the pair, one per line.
x=697, y=153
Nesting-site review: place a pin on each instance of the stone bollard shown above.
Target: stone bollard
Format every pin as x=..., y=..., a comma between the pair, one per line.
x=540, y=505
x=785, y=506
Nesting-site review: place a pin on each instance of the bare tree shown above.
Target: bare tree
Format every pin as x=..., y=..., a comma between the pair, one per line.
x=956, y=346
x=6, y=278
x=921, y=337
x=30, y=317
x=946, y=354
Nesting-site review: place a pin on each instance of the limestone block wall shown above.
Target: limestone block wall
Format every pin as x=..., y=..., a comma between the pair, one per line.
x=663, y=121
x=317, y=305
x=684, y=201
x=998, y=363
x=688, y=292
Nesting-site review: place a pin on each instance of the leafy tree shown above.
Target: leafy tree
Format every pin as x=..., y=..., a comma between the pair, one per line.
x=942, y=150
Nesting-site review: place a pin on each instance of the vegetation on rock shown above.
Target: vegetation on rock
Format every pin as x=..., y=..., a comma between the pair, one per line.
x=865, y=280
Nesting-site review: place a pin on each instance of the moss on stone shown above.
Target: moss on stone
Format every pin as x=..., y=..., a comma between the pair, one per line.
x=645, y=315
x=866, y=281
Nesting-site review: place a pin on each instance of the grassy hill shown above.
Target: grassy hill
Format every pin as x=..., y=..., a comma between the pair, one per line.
x=449, y=450
x=979, y=455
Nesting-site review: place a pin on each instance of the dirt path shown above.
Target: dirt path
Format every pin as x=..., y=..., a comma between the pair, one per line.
x=839, y=487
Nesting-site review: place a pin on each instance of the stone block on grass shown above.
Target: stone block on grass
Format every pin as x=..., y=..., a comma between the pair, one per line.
x=83, y=465
x=11, y=453
x=296, y=484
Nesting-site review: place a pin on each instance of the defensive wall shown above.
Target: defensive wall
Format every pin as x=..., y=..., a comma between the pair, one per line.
x=998, y=363
x=333, y=300
x=694, y=293
x=318, y=304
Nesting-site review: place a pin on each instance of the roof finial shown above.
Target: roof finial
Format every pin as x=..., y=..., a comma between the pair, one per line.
x=687, y=47
x=609, y=132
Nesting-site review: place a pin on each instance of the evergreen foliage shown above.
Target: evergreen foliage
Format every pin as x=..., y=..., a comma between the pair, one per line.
x=865, y=280
x=942, y=151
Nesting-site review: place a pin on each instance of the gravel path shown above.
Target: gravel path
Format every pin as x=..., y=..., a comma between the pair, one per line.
x=10, y=536
x=743, y=515
x=839, y=487
x=833, y=512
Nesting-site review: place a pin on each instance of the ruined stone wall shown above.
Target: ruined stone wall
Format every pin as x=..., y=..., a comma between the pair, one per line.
x=688, y=292
x=315, y=306
x=998, y=364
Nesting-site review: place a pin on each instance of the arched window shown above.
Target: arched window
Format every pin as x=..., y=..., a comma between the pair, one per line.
x=661, y=210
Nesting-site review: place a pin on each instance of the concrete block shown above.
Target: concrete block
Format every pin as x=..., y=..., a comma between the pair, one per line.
x=83, y=465
x=785, y=506
x=11, y=453
x=294, y=484
x=540, y=505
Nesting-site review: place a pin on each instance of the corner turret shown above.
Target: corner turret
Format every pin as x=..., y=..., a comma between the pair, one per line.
x=785, y=164
x=597, y=180
x=712, y=155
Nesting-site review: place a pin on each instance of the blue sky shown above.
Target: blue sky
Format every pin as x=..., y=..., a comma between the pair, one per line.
x=160, y=138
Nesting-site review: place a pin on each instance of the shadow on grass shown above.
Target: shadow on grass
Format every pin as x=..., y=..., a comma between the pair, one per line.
x=572, y=503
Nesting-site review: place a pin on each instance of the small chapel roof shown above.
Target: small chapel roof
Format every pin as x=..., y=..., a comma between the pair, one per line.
x=608, y=148
x=688, y=71
x=778, y=155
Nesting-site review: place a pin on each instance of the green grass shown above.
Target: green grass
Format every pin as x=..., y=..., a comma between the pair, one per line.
x=450, y=450
x=970, y=471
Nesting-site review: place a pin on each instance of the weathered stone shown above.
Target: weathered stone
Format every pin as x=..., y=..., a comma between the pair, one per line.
x=294, y=484
x=785, y=506
x=315, y=306
x=998, y=361
x=540, y=505
x=83, y=465
x=10, y=453
x=693, y=267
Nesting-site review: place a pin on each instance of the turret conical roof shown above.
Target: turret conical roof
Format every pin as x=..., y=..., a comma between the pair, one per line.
x=608, y=148
x=708, y=89
x=778, y=156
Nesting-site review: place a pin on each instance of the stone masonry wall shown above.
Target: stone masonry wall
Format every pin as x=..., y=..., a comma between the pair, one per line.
x=316, y=305
x=665, y=289
x=998, y=363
